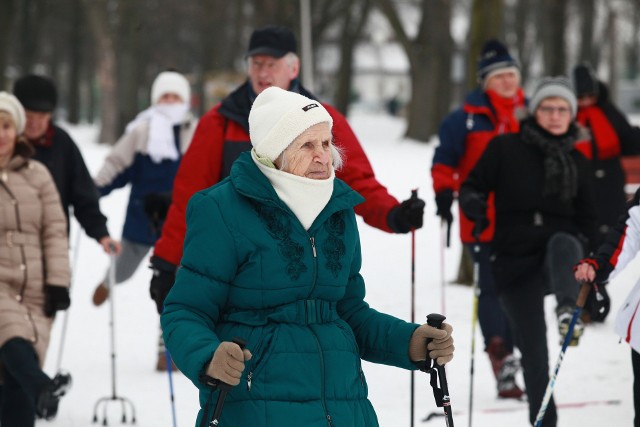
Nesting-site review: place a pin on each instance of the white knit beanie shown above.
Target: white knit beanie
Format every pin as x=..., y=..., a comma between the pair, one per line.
x=554, y=87
x=278, y=116
x=170, y=82
x=11, y=105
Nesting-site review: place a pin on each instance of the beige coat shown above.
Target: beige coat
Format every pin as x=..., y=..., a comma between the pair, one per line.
x=33, y=251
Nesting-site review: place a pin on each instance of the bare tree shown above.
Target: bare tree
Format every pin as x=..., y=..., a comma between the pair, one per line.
x=429, y=54
x=486, y=22
x=524, y=29
x=587, y=29
x=7, y=17
x=554, y=46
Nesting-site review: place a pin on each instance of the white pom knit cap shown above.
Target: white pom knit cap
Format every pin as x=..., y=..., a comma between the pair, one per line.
x=278, y=117
x=11, y=105
x=170, y=82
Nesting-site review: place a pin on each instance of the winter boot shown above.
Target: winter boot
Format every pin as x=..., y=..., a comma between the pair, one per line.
x=100, y=295
x=49, y=397
x=565, y=314
x=505, y=366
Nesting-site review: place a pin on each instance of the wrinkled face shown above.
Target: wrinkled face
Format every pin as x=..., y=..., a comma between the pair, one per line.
x=554, y=115
x=37, y=124
x=265, y=71
x=8, y=136
x=504, y=84
x=170, y=98
x=309, y=155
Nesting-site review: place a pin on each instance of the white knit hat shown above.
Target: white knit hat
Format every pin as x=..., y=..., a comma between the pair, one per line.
x=11, y=105
x=278, y=116
x=170, y=82
x=554, y=87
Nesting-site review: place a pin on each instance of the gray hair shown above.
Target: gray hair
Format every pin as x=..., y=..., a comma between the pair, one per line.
x=337, y=157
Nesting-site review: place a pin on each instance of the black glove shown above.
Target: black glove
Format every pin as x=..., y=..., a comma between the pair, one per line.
x=406, y=216
x=164, y=274
x=474, y=206
x=55, y=298
x=444, y=200
x=597, y=306
x=156, y=206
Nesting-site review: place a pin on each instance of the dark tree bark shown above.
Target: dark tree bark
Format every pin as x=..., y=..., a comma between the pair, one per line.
x=75, y=62
x=486, y=22
x=587, y=28
x=7, y=17
x=554, y=47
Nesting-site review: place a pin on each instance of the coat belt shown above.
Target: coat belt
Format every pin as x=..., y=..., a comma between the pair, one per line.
x=17, y=238
x=303, y=312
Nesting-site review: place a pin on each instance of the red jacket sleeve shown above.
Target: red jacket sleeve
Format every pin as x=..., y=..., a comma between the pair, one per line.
x=358, y=174
x=199, y=169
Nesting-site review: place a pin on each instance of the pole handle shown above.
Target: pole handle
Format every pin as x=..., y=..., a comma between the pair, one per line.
x=585, y=287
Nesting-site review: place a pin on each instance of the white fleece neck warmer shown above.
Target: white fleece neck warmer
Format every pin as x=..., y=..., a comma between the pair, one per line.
x=162, y=118
x=304, y=196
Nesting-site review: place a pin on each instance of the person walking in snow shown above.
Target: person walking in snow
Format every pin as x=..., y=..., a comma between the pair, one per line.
x=614, y=254
x=223, y=133
x=147, y=156
x=272, y=256
x=60, y=154
x=544, y=220
x=34, y=274
x=492, y=109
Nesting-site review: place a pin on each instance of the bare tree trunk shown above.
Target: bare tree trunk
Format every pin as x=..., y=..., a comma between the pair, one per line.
x=554, y=46
x=7, y=17
x=106, y=69
x=32, y=18
x=127, y=65
x=75, y=62
x=612, y=33
x=487, y=17
x=633, y=60
x=354, y=21
x=587, y=28
x=525, y=13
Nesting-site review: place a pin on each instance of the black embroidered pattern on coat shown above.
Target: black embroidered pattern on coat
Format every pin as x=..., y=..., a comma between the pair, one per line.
x=279, y=227
x=333, y=248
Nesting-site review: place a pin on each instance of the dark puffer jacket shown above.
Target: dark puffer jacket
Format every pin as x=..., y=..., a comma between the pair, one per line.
x=251, y=270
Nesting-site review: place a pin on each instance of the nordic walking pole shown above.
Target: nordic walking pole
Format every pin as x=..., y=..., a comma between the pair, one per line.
x=474, y=315
x=170, y=374
x=65, y=322
x=414, y=195
x=224, y=390
x=582, y=297
x=441, y=394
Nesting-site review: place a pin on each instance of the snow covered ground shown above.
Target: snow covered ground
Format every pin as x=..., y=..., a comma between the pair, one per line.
x=598, y=370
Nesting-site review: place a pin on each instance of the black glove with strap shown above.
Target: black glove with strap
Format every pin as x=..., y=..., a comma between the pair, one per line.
x=407, y=215
x=164, y=275
x=444, y=200
x=474, y=206
x=55, y=298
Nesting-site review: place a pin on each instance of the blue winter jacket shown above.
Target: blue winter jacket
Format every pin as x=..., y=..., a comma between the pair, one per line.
x=251, y=270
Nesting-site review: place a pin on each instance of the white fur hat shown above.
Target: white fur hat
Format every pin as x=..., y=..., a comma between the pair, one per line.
x=278, y=117
x=11, y=105
x=170, y=82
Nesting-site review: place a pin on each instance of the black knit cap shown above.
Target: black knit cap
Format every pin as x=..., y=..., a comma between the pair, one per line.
x=36, y=93
x=585, y=81
x=272, y=41
x=494, y=56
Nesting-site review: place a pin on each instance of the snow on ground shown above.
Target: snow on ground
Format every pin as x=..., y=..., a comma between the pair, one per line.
x=598, y=370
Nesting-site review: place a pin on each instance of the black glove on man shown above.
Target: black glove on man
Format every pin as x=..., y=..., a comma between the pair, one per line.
x=474, y=206
x=164, y=275
x=55, y=298
x=406, y=216
x=444, y=200
x=156, y=206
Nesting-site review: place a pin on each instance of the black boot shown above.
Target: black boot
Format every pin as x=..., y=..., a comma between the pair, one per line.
x=49, y=396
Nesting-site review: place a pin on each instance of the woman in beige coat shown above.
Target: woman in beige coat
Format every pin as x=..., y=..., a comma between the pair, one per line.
x=34, y=275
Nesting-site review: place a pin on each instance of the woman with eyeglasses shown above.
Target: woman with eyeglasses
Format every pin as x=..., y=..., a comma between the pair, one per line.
x=545, y=221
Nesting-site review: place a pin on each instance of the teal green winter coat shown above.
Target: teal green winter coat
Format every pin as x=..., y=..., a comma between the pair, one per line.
x=251, y=270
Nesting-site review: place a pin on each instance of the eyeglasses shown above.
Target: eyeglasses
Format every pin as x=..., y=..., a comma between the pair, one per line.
x=548, y=111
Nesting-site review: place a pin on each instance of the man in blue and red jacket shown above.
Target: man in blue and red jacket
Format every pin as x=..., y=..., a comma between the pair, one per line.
x=223, y=133
x=492, y=109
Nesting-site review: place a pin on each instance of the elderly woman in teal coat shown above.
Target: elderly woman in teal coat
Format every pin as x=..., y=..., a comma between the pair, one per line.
x=272, y=256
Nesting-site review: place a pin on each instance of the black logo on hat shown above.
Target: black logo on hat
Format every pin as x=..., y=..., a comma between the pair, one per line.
x=309, y=107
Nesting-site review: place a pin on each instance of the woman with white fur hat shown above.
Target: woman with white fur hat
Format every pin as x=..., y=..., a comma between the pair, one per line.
x=272, y=256
x=545, y=221
x=34, y=277
x=147, y=156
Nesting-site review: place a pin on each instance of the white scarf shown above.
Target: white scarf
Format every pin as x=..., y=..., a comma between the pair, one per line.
x=305, y=197
x=162, y=118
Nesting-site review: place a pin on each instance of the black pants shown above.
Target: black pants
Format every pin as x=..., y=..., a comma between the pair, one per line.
x=523, y=303
x=23, y=380
x=635, y=363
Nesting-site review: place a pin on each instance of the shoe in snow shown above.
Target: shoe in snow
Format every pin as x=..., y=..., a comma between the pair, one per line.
x=507, y=387
x=565, y=314
x=49, y=397
x=100, y=295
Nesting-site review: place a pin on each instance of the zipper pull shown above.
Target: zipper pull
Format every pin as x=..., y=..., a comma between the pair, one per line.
x=329, y=420
x=313, y=246
x=249, y=381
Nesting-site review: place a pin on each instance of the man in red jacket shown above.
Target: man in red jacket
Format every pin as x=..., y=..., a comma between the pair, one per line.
x=223, y=133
